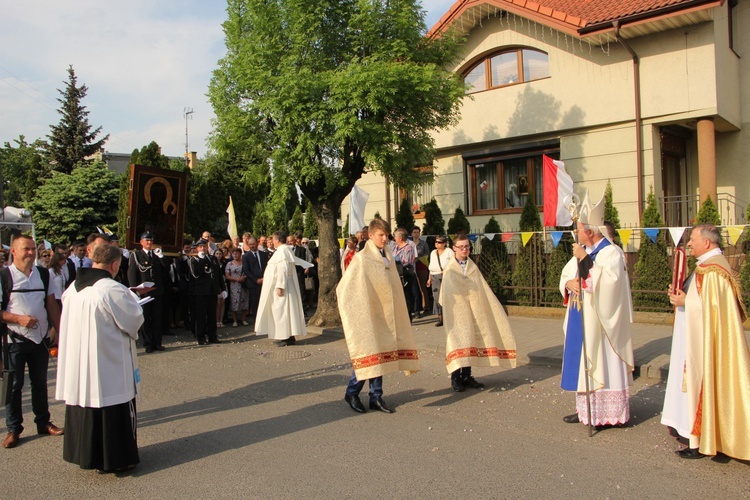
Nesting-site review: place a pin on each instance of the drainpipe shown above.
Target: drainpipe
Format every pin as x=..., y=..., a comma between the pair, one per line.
x=638, y=119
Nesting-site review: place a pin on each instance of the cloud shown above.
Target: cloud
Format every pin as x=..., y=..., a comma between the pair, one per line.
x=143, y=61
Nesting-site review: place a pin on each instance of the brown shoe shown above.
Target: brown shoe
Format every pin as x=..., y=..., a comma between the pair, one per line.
x=50, y=429
x=10, y=440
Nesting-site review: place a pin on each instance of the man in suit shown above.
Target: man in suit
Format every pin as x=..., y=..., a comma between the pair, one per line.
x=78, y=255
x=69, y=270
x=254, y=264
x=144, y=266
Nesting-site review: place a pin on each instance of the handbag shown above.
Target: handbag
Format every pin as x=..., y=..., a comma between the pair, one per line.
x=7, y=382
x=309, y=283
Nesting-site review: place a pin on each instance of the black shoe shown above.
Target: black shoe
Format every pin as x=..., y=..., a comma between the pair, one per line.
x=168, y=332
x=355, y=403
x=149, y=349
x=690, y=453
x=214, y=341
x=380, y=405
x=202, y=342
x=571, y=419
x=472, y=382
x=439, y=323
x=160, y=348
x=290, y=341
x=457, y=385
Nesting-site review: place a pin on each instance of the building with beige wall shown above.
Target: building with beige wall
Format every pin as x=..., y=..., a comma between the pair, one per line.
x=646, y=93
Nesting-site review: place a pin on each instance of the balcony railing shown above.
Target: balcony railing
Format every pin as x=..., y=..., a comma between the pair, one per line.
x=683, y=210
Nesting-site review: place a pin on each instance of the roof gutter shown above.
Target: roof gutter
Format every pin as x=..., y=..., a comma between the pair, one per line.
x=638, y=118
x=642, y=16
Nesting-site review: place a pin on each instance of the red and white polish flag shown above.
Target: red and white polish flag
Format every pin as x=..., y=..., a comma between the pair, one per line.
x=557, y=185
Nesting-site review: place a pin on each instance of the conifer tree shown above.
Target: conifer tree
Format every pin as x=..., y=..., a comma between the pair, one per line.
x=493, y=261
x=652, y=271
x=745, y=268
x=528, y=274
x=405, y=218
x=556, y=261
x=708, y=213
x=458, y=224
x=434, y=224
x=72, y=140
x=610, y=212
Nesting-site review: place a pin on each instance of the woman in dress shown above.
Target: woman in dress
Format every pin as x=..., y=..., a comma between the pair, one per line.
x=239, y=296
x=439, y=258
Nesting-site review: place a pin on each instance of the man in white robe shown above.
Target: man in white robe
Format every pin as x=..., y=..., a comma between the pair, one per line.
x=280, y=313
x=607, y=315
x=707, y=400
x=97, y=373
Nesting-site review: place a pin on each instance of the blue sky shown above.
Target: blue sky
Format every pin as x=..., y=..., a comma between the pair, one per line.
x=143, y=61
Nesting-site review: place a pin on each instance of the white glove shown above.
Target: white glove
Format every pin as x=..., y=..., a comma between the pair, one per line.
x=158, y=253
x=224, y=294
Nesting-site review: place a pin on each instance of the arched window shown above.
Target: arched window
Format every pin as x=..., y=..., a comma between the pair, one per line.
x=507, y=67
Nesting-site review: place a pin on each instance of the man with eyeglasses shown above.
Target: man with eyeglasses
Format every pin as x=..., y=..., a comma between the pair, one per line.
x=477, y=328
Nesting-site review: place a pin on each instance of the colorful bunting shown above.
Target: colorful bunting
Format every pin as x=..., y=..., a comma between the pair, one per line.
x=676, y=233
x=734, y=233
x=341, y=242
x=556, y=237
x=506, y=237
x=652, y=233
x=473, y=238
x=526, y=236
x=625, y=235
x=490, y=236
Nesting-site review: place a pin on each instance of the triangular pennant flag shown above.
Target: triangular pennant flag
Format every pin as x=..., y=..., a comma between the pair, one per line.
x=47, y=245
x=526, y=236
x=506, y=237
x=489, y=236
x=625, y=235
x=473, y=238
x=676, y=233
x=652, y=233
x=341, y=242
x=734, y=233
x=556, y=237
x=425, y=260
x=453, y=237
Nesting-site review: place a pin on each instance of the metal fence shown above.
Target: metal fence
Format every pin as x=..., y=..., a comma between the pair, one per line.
x=499, y=260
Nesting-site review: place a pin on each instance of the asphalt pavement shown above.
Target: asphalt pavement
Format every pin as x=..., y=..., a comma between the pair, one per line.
x=247, y=419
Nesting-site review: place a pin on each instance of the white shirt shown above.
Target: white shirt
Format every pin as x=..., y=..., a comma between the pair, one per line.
x=28, y=304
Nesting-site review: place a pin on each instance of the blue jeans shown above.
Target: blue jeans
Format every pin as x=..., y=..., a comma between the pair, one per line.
x=355, y=387
x=36, y=357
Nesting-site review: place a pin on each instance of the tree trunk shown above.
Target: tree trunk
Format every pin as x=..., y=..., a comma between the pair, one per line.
x=329, y=267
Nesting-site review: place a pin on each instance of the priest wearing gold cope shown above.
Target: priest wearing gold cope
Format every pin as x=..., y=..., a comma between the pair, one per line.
x=478, y=332
x=707, y=400
x=376, y=323
x=600, y=313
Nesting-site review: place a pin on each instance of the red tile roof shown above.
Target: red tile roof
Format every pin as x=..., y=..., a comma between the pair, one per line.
x=575, y=14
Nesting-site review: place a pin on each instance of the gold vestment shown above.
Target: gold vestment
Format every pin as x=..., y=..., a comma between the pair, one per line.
x=374, y=316
x=478, y=332
x=717, y=366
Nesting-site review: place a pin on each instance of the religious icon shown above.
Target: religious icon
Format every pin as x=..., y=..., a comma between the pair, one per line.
x=523, y=185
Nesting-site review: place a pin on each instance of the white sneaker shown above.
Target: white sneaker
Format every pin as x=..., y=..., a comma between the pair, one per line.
x=234, y=324
x=245, y=323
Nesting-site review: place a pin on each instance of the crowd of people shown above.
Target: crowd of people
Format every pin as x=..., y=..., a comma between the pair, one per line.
x=95, y=300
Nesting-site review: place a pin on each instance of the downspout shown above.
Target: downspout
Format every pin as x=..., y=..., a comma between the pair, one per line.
x=638, y=119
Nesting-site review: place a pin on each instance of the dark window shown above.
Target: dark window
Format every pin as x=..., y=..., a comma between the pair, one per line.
x=503, y=183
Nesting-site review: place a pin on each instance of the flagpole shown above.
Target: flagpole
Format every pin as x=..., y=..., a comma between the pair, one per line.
x=574, y=210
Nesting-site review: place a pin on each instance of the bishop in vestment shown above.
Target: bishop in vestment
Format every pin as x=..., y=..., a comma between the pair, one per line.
x=97, y=373
x=707, y=399
x=375, y=319
x=477, y=328
x=603, y=302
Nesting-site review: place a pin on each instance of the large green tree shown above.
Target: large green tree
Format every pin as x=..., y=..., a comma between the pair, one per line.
x=72, y=140
x=23, y=170
x=328, y=90
x=528, y=274
x=69, y=207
